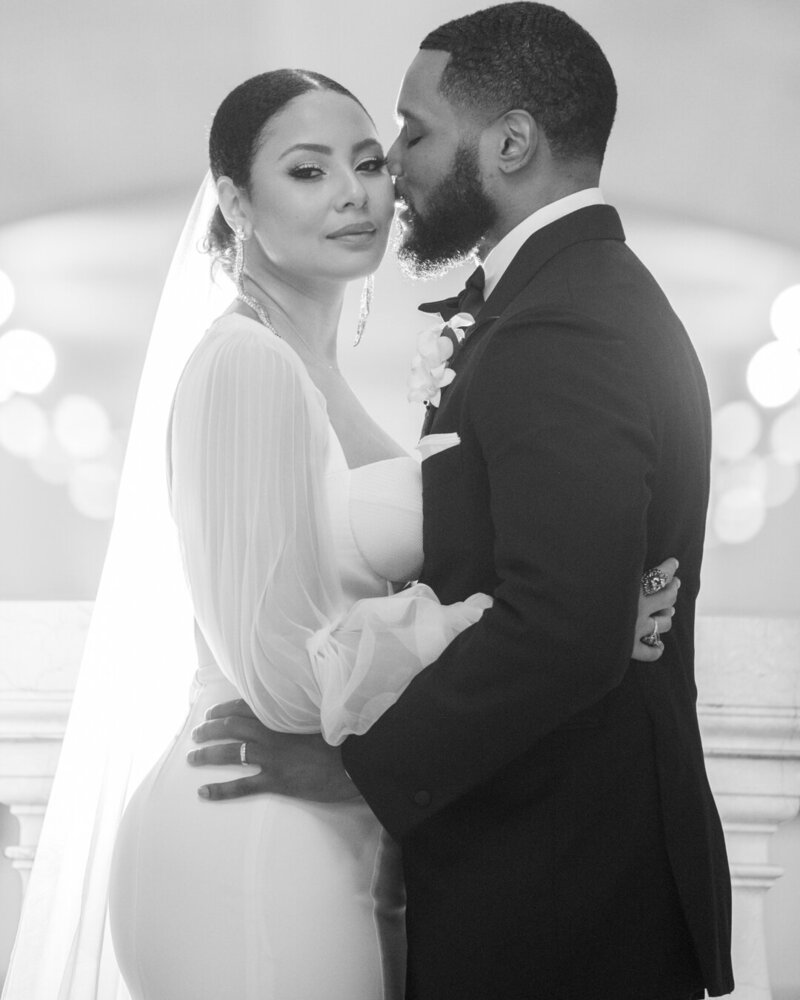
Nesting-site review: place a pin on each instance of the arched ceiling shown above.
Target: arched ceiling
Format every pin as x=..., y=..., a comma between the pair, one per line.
x=103, y=101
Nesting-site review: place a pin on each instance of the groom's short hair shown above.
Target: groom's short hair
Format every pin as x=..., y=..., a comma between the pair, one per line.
x=533, y=57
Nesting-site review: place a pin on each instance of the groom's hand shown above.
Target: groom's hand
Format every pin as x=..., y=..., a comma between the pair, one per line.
x=304, y=767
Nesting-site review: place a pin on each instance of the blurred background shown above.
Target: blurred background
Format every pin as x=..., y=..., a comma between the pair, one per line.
x=104, y=113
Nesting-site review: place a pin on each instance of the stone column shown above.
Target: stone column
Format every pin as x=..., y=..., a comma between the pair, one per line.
x=32, y=727
x=40, y=649
x=748, y=677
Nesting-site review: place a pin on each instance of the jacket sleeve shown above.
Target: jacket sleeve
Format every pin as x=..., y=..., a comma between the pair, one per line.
x=249, y=439
x=568, y=452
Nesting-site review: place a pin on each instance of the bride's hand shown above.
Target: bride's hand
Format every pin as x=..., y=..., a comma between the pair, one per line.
x=303, y=767
x=657, y=595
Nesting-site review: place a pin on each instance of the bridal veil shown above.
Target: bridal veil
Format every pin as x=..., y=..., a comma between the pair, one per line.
x=135, y=676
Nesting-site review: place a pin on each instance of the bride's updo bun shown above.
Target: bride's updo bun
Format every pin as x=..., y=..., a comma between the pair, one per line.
x=237, y=132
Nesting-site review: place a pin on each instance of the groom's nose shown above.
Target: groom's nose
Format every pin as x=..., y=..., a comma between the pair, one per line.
x=394, y=160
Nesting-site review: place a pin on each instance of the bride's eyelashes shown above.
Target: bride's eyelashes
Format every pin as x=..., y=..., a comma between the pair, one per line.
x=373, y=164
x=306, y=171
x=311, y=171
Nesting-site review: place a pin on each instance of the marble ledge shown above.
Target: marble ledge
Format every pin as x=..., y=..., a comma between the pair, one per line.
x=41, y=643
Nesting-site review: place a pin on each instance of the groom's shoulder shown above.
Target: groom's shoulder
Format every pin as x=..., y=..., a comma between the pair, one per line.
x=600, y=278
x=593, y=298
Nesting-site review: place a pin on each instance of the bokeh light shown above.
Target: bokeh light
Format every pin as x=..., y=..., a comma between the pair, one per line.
x=773, y=375
x=781, y=481
x=784, y=316
x=739, y=515
x=737, y=429
x=82, y=426
x=27, y=361
x=52, y=463
x=7, y=297
x=92, y=488
x=23, y=427
x=748, y=473
x=784, y=435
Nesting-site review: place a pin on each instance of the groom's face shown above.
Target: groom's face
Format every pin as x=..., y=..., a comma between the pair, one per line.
x=444, y=209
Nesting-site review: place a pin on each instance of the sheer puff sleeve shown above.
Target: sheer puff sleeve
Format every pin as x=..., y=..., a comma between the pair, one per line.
x=248, y=443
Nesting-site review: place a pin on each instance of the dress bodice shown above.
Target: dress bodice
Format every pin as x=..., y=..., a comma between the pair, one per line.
x=376, y=522
x=376, y=527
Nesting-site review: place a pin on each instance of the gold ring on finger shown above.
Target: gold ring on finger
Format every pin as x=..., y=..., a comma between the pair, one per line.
x=653, y=639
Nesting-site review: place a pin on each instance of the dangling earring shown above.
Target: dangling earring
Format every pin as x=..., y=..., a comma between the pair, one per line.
x=365, y=305
x=238, y=260
x=238, y=280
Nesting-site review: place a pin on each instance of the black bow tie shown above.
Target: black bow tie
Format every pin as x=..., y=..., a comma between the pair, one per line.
x=469, y=300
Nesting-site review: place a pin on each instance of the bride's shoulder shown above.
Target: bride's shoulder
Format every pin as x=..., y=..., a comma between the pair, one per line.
x=238, y=355
x=234, y=339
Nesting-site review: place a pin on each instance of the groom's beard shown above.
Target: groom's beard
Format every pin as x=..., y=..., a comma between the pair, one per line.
x=458, y=214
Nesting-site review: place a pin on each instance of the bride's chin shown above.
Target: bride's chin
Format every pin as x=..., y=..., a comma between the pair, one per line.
x=363, y=261
x=369, y=264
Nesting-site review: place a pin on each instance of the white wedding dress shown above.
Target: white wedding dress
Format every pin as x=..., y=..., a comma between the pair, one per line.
x=288, y=554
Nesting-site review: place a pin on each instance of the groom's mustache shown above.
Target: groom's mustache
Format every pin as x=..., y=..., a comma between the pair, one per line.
x=400, y=198
x=403, y=206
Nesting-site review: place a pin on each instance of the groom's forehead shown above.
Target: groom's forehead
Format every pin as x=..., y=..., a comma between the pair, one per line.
x=419, y=91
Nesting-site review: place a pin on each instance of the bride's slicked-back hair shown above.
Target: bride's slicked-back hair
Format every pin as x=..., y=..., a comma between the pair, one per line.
x=534, y=57
x=238, y=131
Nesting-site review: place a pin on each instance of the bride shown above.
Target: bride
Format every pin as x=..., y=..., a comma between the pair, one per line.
x=290, y=504
x=294, y=510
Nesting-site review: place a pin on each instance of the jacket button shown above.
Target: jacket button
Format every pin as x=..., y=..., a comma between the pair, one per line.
x=422, y=798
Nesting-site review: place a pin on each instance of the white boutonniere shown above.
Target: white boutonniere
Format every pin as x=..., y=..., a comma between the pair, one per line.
x=429, y=366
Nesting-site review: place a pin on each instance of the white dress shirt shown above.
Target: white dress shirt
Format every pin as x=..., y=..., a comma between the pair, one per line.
x=500, y=256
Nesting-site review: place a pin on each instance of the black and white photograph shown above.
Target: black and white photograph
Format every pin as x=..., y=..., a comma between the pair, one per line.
x=399, y=500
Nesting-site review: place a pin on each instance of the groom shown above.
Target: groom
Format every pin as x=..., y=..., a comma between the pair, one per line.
x=559, y=837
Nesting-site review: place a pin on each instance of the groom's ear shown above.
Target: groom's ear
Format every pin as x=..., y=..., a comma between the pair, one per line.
x=518, y=136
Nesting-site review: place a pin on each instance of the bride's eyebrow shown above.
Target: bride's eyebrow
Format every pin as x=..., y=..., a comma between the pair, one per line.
x=315, y=147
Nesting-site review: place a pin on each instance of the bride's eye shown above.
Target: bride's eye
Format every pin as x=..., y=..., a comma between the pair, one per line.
x=373, y=164
x=306, y=171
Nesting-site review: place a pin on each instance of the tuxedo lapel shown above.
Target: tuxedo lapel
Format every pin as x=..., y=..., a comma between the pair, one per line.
x=595, y=222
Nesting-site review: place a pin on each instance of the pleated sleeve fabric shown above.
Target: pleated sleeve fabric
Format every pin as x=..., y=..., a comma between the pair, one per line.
x=248, y=446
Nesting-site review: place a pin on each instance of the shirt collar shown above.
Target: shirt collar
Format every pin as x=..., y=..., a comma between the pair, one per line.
x=500, y=256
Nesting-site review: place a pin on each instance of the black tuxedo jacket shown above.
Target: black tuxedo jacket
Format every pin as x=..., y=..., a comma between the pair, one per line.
x=559, y=837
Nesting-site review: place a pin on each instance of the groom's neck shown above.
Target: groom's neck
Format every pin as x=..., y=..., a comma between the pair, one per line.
x=521, y=197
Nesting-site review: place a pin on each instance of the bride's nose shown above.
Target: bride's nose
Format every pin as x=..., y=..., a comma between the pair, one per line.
x=353, y=193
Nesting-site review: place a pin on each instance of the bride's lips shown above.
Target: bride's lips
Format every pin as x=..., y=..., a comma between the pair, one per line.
x=356, y=233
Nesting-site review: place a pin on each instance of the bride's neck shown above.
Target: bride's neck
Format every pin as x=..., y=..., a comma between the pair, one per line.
x=305, y=313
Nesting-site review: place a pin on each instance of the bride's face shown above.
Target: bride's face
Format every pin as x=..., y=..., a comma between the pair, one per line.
x=321, y=199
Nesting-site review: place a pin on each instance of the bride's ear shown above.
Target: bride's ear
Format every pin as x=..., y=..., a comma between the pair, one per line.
x=232, y=205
